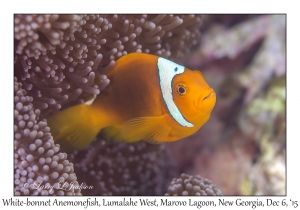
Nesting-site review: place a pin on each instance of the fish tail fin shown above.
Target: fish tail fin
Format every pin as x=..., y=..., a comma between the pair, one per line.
x=75, y=128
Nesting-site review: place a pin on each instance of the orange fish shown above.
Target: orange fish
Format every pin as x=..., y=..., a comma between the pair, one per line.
x=149, y=98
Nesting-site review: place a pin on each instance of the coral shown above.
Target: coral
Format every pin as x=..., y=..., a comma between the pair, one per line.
x=268, y=61
x=62, y=59
x=192, y=185
x=124, y=169
x=38, y=164
x=264, y=120
x=262, y=113
x=267, y=177
x=220, y=41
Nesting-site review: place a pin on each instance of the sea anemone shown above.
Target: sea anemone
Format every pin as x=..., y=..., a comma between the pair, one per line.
x=192, y=185
x=62, y=59
x=114, y=168
x=38, y=163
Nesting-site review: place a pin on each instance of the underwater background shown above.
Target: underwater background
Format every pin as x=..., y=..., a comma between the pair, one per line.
x=61, y=60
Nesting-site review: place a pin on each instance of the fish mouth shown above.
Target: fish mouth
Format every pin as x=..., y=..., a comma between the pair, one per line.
x=206, y=100
x=209, y=95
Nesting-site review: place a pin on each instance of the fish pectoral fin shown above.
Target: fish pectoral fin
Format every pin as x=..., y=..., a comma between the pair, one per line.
x=151, y=129
x=112, y=132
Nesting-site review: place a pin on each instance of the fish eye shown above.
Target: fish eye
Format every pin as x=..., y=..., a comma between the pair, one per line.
x=181, y=89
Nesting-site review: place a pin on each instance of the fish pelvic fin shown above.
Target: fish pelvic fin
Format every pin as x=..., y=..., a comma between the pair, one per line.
x=113, y=133
x=76, y=127
x=150, y=129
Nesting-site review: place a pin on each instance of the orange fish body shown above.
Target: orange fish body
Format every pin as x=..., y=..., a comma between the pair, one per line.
x=149, y=98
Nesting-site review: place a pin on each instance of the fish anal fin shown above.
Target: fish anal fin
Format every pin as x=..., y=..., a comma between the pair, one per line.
x=151, y=129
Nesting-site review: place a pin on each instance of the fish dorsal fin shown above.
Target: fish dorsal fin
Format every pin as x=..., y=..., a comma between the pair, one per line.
x=151, y=129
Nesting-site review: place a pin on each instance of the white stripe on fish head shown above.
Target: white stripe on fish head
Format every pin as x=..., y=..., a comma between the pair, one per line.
x=166, y=71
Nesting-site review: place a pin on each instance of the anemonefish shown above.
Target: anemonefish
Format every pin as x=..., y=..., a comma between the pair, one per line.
x=149, y=98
